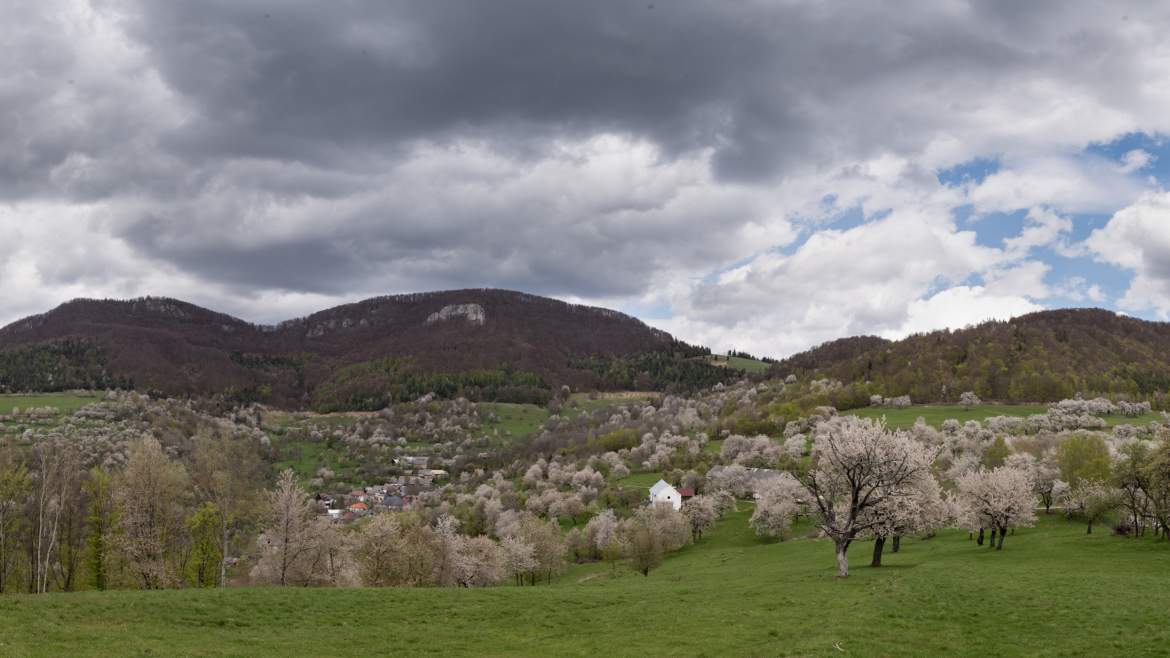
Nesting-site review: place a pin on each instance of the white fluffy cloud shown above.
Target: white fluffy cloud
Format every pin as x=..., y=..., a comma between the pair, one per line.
x=959, y=307
x=1042, y=228
x=1137, y=238
x=1064, y=184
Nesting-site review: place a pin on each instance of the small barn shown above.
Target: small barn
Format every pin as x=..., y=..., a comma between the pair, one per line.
x=664, y=494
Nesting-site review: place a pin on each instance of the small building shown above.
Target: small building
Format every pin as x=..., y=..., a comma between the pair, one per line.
x=664, y=494
x=686, y=492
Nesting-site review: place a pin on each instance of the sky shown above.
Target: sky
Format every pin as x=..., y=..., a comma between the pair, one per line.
x=763, y=175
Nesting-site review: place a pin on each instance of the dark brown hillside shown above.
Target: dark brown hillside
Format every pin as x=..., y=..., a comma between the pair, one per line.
x=178, y=348
x=1037, y=357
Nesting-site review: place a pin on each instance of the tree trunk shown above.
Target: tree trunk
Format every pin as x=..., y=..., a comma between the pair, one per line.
x=993, y=531
x=897, y=543
x=223, y=556
x=1002, y=534
x=842, y=561
x=979, y=539
x=1089, y=528
x=878, y=544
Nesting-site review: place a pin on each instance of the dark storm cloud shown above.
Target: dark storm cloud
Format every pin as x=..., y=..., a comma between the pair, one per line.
x=273, y=81
x=754, y=81
x=348, y=89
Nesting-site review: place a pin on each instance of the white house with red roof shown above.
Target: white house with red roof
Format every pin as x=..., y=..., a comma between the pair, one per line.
x=664, y=494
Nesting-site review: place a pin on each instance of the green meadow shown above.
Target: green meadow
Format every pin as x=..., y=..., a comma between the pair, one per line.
x=63, y=402
x=1052, y=591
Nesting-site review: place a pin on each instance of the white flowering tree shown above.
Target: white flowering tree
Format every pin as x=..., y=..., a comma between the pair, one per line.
x=858, y=466
x=774, y=515
x=701, y=513
x=998, y=499
x=918, y=507
x=1092, y=500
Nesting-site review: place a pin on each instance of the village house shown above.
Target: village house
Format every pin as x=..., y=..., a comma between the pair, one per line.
x=664, y=494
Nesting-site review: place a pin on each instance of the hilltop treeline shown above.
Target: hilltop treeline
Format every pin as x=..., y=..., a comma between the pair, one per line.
x=1040, y=357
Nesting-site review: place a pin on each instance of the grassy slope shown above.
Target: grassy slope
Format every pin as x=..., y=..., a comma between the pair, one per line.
x=936, y=414
x=1052, y=591
x=65, y=402
x=738, y=363
x=639, y=480
x=516, y=420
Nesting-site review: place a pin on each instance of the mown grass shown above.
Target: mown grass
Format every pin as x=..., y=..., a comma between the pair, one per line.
x=580, y=403
x=935, y=415
x=638, y=480
x=1052, y=591
x=67, y=403
x=305, y=457
x=738, y=363
x=515, y=420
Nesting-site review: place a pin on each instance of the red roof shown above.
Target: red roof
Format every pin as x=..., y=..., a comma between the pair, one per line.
x=358, y=506
x=686, y=492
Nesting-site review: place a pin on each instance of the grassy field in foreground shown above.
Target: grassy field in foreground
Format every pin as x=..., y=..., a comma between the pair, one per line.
x=65, y=402
x=936, y=414
x=1052, y=591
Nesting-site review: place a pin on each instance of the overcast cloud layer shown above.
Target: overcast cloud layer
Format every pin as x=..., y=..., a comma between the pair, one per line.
x=763, y=175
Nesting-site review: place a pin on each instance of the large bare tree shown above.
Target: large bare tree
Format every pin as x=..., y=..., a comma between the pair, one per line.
x=151, y=495
x=857, y=466
x=289, y=544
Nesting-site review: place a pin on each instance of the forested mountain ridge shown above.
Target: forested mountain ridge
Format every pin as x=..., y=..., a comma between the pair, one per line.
x=1038, y=357
x=490, y=344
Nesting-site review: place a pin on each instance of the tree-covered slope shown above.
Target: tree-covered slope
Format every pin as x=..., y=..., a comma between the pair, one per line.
x=485, y=344
x=1039, y=357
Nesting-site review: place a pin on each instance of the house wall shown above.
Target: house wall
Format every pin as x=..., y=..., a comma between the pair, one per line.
x=671, y=498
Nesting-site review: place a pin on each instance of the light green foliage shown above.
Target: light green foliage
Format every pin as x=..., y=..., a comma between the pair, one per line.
x=1083, y=457
x=996, y=453
x=15, y=488
x=206, y=555
x=102, y=519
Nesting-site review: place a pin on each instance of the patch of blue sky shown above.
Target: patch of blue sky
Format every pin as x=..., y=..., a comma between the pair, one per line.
x=972, y=171
x=1112, y=281
x=841, y=220
x=993, y=228
x=1156, y=145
